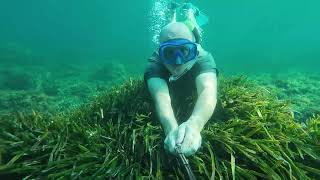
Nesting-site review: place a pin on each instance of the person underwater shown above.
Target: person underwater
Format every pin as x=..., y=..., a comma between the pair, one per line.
x=178, y=67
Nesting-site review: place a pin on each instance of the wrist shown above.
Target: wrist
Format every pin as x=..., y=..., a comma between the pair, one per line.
x=168, y=127
x=196, y=123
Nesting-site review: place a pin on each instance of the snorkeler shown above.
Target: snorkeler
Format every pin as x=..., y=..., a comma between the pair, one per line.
x=179, y=68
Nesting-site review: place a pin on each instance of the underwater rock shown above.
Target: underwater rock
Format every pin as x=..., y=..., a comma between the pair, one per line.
x=50, y=88
x=16, y=53
x=65, y=70
x=17, y=80
x=80, y=90
x=110, y=72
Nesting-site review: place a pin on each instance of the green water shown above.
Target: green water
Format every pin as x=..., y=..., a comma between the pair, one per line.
x=55, y=49
x=244, y=36
x=57, y=55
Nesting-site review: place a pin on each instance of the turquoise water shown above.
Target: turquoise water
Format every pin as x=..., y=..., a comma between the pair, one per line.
x=68, y=51
x=56, y=55
x=244, y=36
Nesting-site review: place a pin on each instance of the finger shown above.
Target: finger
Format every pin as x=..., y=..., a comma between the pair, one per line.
x=191, y=143
x=190, y=152
x=187, y=142
x=173, y=150
x=166, y=144
x=172, y=145
x=169, y=142
x=181, y=134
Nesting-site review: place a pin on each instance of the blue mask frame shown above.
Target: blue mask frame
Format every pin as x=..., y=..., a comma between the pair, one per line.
x=177, y=51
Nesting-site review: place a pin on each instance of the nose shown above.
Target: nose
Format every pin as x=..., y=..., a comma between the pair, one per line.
x=179, y=60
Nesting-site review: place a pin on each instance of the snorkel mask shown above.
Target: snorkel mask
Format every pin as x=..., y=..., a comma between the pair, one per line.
x=178, y=55
x=177, y=51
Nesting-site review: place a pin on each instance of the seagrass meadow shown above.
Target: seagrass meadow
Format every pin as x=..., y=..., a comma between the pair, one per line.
x=69, y=110
x=252, y=135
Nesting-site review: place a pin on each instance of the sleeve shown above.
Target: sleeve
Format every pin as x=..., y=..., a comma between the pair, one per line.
x=205, y=64
x=155, y=68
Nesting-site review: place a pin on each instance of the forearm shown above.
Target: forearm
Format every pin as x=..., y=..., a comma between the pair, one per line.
x=204, y=108
x=166, y=116
x=161, y=97
x=207, y=99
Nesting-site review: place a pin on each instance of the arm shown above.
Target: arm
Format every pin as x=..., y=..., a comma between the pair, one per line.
x=207, y=98
x=189, y=132
x=160, y=95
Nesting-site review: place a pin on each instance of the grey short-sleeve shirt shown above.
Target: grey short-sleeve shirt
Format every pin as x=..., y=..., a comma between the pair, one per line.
x=185, y=86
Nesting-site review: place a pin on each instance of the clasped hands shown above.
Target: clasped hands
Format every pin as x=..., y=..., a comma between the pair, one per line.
x=187, y=135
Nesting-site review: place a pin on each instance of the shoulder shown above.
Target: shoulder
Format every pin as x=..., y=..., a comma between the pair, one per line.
x=205, y=62
x=154, y=57
x=155, y=68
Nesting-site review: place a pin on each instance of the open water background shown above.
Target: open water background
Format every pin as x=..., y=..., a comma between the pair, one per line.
x=244, y=36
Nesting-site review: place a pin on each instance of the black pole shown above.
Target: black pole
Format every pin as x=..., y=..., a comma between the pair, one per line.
x=185, y=163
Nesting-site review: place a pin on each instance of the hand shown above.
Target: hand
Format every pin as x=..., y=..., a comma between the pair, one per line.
x=170, y=141
x=188, y=135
